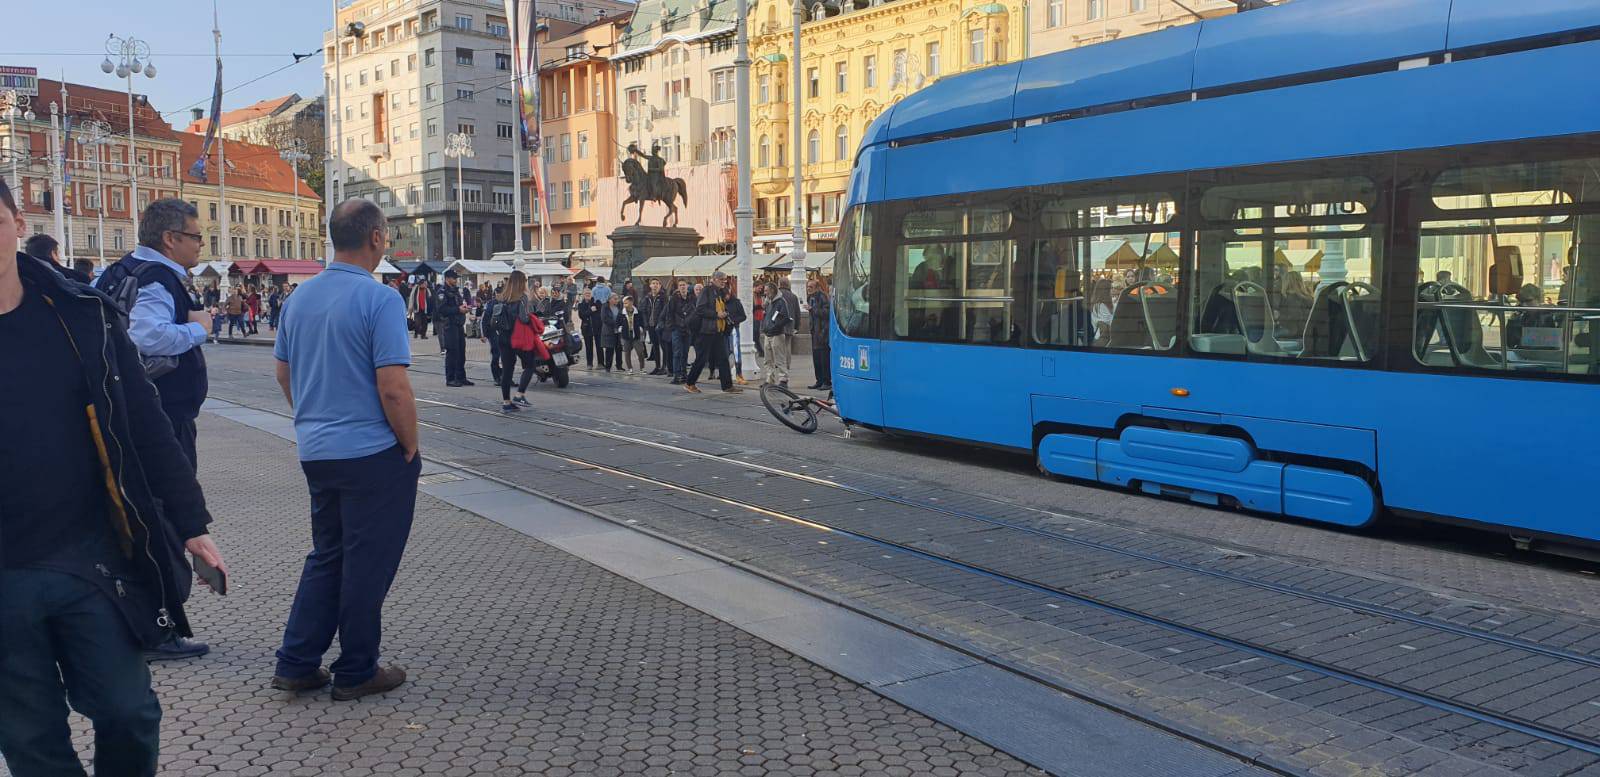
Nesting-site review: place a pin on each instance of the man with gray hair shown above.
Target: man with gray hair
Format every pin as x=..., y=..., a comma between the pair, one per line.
x=164, y=321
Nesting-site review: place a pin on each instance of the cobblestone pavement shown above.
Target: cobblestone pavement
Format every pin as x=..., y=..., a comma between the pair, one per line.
x=524, y=660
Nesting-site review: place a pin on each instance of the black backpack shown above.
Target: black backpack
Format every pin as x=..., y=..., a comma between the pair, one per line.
x=124, y=295
x=500, y=318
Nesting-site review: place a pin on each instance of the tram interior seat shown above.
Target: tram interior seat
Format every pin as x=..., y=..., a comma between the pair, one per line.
x=1146, y=318
x=1362, y=313
x=1327, y=331
x=1462, y=330
x=1257, y=319
x=1217, y=329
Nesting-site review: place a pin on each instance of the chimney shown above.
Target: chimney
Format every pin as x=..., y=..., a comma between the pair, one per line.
x=197, y=113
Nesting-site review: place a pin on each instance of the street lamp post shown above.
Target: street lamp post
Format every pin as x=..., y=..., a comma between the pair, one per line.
x=294, y=155
x=457, y=146
x=58, y=203
x=95, y=134
x=133, y=56
x=340, y=172
x=744, y=214
x=15, y=105
x=797, y=264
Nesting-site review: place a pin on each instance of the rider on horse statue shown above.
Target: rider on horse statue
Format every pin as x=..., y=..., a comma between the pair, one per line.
x=652, y=184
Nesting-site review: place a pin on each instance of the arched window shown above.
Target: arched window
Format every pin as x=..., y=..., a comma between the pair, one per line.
x=813, y=147
x=764, y=153
x=841, y=143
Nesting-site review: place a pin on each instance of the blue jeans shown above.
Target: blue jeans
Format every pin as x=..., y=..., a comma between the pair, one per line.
x=66, y=642
x=680, y=352
x=361, y=512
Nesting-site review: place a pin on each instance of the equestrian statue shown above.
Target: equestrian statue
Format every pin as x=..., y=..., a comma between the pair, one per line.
x=651, y=185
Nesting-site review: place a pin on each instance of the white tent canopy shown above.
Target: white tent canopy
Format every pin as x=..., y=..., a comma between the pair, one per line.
x=545, y=272
x=480, y=267
x=385, y=268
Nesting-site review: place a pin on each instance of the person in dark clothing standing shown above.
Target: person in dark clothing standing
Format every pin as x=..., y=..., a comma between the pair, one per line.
x=711, y=315
x=451, y=311
x=419, y=303
x=821, y=351
x=677, y=319
x=512, y=305
x=611, y=324
x=45, y=248
x=84, y=584
x=589, y=320
x=653, y=309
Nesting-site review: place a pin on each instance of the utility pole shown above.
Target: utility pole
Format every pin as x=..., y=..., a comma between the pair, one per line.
x=457, y=146
x=294, y=155
x=222, y=157
x=56, y=203
x=797, y=265
x=16, y=105
x=95, y=135
x=132, y=57
x=744, y=214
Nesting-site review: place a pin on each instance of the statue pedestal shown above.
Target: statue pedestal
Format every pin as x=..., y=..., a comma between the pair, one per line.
x=630, y=246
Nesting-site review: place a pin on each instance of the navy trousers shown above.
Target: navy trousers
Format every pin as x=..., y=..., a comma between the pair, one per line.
x=361, y=512
x=680, y=353
x=64, y=641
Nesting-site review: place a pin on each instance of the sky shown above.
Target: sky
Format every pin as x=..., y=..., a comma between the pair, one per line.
x=67, y=37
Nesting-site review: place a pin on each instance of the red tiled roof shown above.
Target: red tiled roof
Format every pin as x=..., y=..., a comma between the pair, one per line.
x=279, y=267
x=250, y=166
x=260, y=109
x=108, y=105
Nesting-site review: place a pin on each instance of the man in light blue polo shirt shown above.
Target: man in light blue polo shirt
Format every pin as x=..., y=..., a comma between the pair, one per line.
x=342, y=350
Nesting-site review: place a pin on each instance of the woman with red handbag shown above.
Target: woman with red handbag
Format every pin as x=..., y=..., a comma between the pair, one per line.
x=512, y=324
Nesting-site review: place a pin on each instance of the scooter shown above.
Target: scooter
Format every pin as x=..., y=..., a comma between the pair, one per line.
x=562, y=346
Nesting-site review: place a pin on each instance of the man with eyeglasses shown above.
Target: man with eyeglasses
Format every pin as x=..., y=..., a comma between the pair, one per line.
x=164, y=321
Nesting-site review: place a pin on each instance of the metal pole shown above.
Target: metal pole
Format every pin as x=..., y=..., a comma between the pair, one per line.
x=133, y=164
x=58, y=205
x=797, y=256
x=100, y=202
x=461, y=215
x=222, y=157
x=544, y=178
x=744, y=214
x=338, y=129
x=66, y=158
x=516, y=143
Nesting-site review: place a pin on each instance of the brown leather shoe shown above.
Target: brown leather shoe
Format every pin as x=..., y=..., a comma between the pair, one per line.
x=689, y=387
x=311, y=682
x=386, y=679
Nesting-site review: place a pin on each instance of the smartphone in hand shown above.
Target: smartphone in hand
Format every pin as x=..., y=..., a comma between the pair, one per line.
x=211, y=575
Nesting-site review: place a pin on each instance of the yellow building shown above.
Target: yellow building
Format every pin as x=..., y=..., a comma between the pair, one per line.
x=857, y=59
x=1067, y=24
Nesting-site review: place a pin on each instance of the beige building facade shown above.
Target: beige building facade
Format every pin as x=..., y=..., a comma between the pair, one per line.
x=1057, y=25
x=578, y=94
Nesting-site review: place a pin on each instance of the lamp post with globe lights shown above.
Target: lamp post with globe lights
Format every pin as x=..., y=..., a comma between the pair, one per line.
x=15, y=105
x=95, y=134
x=295, y=154
x=457, y=146
x=132, y=57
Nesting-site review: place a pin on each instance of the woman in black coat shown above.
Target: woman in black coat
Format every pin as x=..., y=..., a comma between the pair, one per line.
x=611, y=323
x=589, y=314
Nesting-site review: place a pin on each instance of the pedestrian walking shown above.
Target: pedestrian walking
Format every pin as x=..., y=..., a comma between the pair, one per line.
x=589, y=318
x=632, y=333
x=510, y=307
x=821, y=351
x=92, y=479
x=164, y=325
x=252, y=303
x=342, y=357
x=680, y=321
x=274, y=306
x=792, y=303
x=711, y=313
x=420, y=307
x=758, y=312
x=611, y=323
x=654, y=307
x=235, y=308
x=736, y=317
x=451, y=312
x=778, y=328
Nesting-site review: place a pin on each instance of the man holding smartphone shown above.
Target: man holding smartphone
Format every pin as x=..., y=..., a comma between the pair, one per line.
x=342, y=352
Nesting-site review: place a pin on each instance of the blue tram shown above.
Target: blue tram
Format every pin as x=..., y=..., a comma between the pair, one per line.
x=1323, y=260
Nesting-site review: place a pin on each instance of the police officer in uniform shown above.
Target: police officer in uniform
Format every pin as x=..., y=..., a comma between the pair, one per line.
x=451, y=310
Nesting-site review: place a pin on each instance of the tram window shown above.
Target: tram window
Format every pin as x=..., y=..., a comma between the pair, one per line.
x=852, y=303
x=957, y=291
x=955, y=222
x=1288, y=269
x=1099, y=282
x=1510, y=270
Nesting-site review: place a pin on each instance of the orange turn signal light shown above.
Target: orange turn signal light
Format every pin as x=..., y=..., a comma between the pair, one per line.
x=1180, y=392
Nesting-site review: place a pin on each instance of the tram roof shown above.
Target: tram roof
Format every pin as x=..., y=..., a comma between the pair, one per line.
x=1294, y=39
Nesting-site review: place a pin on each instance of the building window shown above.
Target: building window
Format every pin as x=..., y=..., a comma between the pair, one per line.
x=502, y=197
x=502, y=130
x=116, y=240
x=813, y=83
x=975, y=50
x=841, y=77
x=813, y=147
x=763, y=86
x=212, y=209
x=566, y=242
x=551, y=198
x=430, y=92
x=361, y=78
x=463, y=56
x=583, y=240
x=463, y=22
x=870, y=75
x=427, y=58
x=1135, y=6
x=933, y=59
x=898, y=77
x=377, y=73
x=502, y=61
x=764, y=152
x=583, y=193
x=466, y=128
x=464, y=95
x=841, y=143
x=583, y=145
x=1096, y=9
x=411, y=63
x=498, y=28
x=722, y=82
x=433, y=128
x=566, y=147
x=1055, y=12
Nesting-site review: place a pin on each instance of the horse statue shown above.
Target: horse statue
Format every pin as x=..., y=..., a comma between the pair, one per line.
x=652, y=185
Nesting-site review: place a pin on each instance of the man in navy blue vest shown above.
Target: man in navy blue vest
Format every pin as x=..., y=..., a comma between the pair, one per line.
x=166, y=322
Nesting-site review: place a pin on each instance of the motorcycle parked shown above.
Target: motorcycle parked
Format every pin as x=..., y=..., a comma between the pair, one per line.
x=562, y=346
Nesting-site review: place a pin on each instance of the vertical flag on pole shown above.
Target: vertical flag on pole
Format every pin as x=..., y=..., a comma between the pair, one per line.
x=525, y=72
x=199, y=168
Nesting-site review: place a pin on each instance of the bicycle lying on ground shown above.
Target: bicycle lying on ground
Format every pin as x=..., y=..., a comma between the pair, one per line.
x=797, y=411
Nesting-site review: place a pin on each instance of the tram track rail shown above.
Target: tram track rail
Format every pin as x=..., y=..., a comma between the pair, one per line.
x=1510, y=722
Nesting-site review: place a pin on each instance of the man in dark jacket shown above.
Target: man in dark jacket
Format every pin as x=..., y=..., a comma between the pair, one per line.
x=821, y=351
x=45, y=248
x=451, y=311
x=711, y=345
x=653, y=308
x=85, y=583
x=680, y=323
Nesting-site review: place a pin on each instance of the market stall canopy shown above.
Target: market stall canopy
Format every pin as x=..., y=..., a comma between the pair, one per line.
x=480, y=267
x=701, y=266
x=820, y=262
x=212, y=269
x=421, y=268
x=544, y=271
x=385, y=268
x=280, y=267
x=656, y=266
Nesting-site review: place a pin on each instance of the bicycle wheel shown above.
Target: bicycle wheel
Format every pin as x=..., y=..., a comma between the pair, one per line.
x=788, y=407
